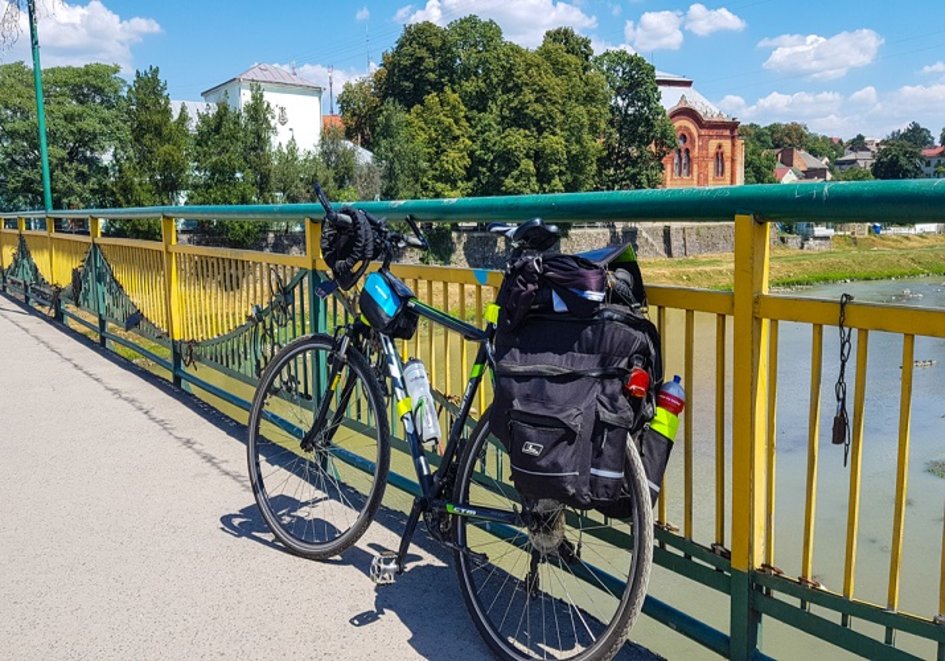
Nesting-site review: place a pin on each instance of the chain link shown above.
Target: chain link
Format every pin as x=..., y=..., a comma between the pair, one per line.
x=841, y=422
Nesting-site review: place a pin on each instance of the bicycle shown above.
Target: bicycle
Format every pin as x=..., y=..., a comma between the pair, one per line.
x=538, y=579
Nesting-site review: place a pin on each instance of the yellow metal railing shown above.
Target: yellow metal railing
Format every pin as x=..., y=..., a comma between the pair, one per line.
x=729, y=428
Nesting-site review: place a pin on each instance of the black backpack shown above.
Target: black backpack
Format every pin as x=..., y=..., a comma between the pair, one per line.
x=563, y=354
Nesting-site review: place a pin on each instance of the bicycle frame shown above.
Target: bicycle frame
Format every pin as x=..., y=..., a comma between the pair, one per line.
x=432, y=484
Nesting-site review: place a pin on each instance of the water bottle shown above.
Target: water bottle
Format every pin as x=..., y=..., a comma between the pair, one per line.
x=670, y=401
x=424, y=409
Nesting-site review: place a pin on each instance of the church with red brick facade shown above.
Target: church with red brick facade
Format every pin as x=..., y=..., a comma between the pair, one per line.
x=708, y=151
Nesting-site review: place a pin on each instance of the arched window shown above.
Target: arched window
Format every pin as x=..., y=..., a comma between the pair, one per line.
x=677, y=162
x=686, y=164
x=720, y=162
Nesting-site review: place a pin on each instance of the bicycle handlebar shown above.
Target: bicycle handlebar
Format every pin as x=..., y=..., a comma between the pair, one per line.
x=332, y=216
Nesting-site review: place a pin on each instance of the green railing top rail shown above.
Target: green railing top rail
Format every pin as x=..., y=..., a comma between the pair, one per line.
x=904, y=201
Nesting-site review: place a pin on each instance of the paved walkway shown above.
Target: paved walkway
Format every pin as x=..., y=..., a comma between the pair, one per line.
x=128, y=531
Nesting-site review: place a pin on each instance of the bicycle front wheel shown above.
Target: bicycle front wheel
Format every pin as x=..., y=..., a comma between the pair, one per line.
x=566, y=584
x=317, y=489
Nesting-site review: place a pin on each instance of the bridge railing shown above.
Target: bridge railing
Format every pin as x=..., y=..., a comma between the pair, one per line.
x=210, y=318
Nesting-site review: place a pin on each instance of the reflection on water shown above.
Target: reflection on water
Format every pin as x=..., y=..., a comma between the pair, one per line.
x=919, y=589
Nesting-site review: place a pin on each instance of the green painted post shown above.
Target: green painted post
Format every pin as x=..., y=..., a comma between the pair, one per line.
x=40, y=106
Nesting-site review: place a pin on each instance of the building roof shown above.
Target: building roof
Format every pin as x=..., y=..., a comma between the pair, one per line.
x=193, y=107
x=932, y=152
x=332, y=121
x=268, y=73
x=677, y=91
x=854, y=156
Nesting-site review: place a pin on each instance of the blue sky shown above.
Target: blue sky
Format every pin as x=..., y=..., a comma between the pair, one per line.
x=840, y=66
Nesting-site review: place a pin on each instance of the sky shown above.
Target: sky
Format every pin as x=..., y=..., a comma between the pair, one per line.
x=840, y=66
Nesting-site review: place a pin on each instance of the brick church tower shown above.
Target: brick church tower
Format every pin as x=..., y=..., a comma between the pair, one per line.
x=708, y=150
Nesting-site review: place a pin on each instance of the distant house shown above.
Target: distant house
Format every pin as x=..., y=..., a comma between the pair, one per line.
x=810, y=167
x=855, y=159
x=786, y=175
x=931, y=160
x=708, y=150
x=296, y=102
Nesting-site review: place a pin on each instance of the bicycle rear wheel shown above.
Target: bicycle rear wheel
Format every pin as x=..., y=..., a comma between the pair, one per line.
x=565, y=586
x=317, y=501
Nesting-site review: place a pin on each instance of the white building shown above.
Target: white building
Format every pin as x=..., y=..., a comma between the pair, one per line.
x=296, y=102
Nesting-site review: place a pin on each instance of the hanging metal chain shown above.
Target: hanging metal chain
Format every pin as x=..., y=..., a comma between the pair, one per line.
x=841, y=422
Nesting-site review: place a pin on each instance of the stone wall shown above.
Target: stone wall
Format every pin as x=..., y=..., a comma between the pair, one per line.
x=484, y=250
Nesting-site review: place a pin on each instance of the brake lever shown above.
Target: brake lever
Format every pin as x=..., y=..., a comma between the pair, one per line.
x=420, y=238
x=332, y=216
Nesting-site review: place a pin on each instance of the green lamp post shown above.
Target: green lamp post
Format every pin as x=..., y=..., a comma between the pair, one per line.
x=40, y=105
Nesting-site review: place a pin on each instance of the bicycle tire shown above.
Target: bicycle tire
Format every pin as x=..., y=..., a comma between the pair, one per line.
x=613, y=633
x=327, y=478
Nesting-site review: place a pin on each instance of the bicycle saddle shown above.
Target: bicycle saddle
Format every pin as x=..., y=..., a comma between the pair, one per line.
x=532, y=234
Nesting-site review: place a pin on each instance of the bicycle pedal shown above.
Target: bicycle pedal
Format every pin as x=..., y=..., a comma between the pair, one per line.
x=384, y=568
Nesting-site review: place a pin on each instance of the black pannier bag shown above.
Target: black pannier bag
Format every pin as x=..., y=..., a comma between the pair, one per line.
x=559, y=406
x=383, y=303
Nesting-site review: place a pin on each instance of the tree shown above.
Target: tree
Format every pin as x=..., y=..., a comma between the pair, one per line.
x=573, y=44
x=84, y=128
x=258, y=131
x=417, y=66
x=359, y=104
x=915, y=135
x=759, y=164
x=399, y=152
x=151, y=167
x=792, y=134
x=941, y=138
x=897, y=159
x=289, y=174
x=640, y=133
x=858, y=143
x=855, y=174
x=444, y=136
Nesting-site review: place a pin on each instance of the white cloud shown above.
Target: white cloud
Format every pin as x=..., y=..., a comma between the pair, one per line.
x=318, y=74
x=599, y=46
x=522, y=21
x=867, y=111
x=733, y=105
x=938, y=67
x=363, y=14
x=822, y=58
x=72, y=34
x=703, y=21
x=866, y=96
x=657, y=30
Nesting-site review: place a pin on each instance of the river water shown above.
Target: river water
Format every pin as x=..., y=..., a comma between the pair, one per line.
x=923, y=534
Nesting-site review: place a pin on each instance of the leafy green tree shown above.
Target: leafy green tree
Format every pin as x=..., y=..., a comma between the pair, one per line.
x=897, y=159
x=288, y=174
x=915, y=135
x=444, y=136
x=417, y=66
x=792, y=134
x=220, y=168
x=759, y=164
x=573, y=44
x=640, y=132
x=855, y=174
x=941, y=138
x=399, y=151
x=339, y=165
x=258, y=131
x=152, y=166
x=84, y=128
x=359, y=104
x=858, y=143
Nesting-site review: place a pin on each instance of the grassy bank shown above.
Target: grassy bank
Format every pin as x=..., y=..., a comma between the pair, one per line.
x=867, y=258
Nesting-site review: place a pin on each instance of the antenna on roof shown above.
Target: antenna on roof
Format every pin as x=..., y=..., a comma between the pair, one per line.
x=331, y=96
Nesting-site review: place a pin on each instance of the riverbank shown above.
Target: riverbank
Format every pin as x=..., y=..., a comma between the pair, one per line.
x=850, y=258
